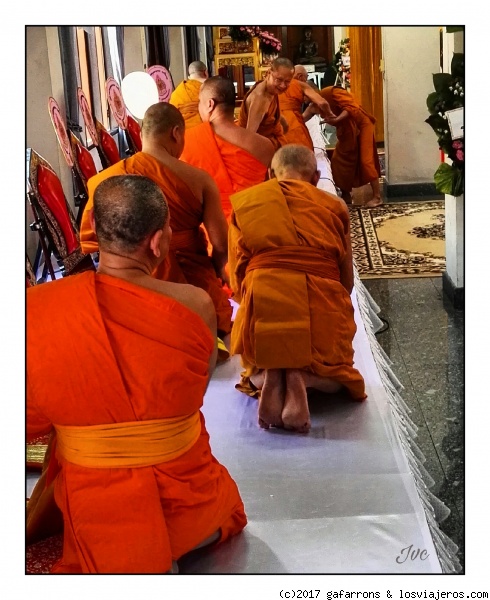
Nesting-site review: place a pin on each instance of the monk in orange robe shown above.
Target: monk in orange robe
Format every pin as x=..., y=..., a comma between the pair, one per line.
x=291, y=269
x=355, y=160
x=291, y=105
x=193, y=199
x=132, y=470
x=235, y=157
x=186, y=95
x=260, y=111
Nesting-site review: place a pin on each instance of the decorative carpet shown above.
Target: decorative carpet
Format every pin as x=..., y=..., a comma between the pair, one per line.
x=403, y=239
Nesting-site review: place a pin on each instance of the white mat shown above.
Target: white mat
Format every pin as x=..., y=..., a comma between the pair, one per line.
x=349, y=497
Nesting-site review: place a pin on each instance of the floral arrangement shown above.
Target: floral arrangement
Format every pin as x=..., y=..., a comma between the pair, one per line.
x=343, y=70
x=268, y=43
x=448, y=95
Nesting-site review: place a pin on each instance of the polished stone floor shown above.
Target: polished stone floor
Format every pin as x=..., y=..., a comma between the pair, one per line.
x=425, y=341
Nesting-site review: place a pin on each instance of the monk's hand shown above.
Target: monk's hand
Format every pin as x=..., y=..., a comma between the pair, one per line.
x=223, y=275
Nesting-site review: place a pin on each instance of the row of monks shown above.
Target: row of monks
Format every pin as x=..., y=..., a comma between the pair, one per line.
x=202, y=212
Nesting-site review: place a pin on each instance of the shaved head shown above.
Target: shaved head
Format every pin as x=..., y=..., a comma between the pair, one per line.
x=294, y=161
x=222, y=91
x=197, y=67
x=300, y=73
x=282, y=62
x=161, y=118
x=128, y=209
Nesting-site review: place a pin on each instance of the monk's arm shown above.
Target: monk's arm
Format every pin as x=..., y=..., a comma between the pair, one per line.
x=343, y=115
x=310, y=111
x=284, y=123
x=319, y=101
x=201, y=303
x=256, y=112
x=215, y=223
x=209, y=316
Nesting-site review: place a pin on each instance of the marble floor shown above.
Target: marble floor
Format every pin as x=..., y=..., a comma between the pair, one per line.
x=425, y=341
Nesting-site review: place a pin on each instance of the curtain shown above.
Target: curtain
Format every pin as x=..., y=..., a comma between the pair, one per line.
x=366, y=78
x=192, y=44
x=71, y=76
x=209, y=50
x=157, y=46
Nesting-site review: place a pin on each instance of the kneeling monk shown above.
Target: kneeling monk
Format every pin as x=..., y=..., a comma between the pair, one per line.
x=132, y=469
x=193, y=200
x=291, y=269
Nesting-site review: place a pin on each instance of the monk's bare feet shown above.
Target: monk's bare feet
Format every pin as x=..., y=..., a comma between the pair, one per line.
x=271, y=400
x=322, y=384
x=373, y=203
x=296, y=415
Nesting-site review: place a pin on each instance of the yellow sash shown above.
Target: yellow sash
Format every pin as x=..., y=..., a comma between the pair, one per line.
x=128, y=445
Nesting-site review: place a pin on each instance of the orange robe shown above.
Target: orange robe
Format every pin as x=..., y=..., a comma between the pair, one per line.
x=355, y=159
x=129, y=355
x=291, y=103
x=233, y=168
x=271, y=125
x=186, y=98
x=188, y=260
x=287, y=241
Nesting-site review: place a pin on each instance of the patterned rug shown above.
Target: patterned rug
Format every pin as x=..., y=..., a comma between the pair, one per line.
x=403, y=239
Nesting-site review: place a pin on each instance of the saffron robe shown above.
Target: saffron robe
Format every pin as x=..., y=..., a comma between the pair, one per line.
x=270, y=127
x=291, y=103
x=355, y=160
x=130, y=354
x=188, y=260
x=287, y=242
x=232, y=168
x=186, y=98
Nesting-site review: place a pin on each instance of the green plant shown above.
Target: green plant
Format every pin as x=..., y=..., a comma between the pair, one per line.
x=448, y=95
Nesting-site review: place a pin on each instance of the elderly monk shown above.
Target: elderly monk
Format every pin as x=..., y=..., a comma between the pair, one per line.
x=193, y=199
x=236, y=158
x=355, y=160
x=292, y=273
x=186, y=95
x=260, y=109
x=133, y=474
x=291, y=105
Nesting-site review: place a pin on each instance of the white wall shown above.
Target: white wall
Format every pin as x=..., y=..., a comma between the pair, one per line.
x=178, y=68
x=411, y=56
x=134, y=49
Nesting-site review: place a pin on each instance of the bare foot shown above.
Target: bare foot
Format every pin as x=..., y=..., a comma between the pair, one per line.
x=373, y=203
x=322, y=384
x=271, y=400
x=295, y=414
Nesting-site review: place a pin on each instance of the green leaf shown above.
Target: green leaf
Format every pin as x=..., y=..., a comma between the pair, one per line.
x=436, y=122
x=458, y=182
x=443, y=178
x=432, y=100
x=454, y=28
x=457, y=64
x=442, y=81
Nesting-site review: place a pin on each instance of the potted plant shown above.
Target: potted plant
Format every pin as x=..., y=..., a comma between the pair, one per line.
x=448, y=96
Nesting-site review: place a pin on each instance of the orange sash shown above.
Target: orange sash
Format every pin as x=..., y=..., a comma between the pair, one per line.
x=131, y=444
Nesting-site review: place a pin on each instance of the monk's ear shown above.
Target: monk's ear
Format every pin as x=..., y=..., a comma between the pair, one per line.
x=155, y=240
x=315, y=178
x=272, y=175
